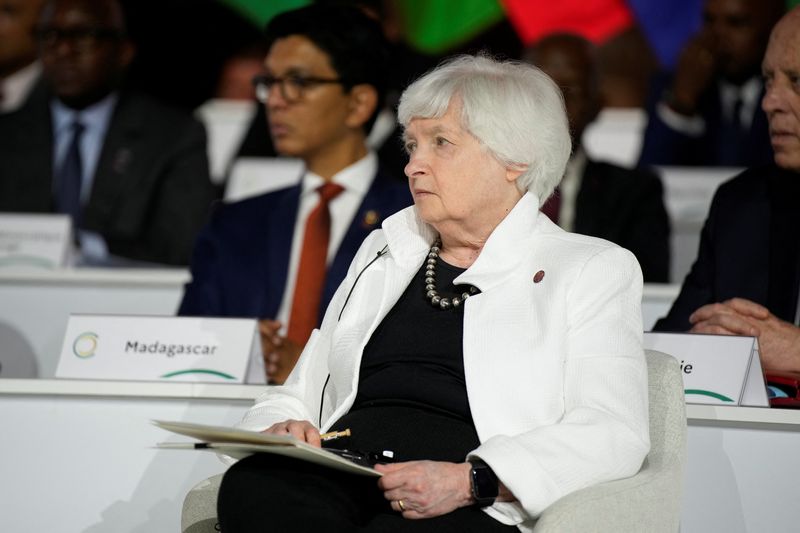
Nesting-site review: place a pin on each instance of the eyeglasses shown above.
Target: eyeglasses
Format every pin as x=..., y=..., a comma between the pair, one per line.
x=292, y=87
x=82, y=38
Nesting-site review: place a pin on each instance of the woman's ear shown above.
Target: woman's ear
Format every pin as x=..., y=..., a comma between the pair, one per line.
x=362, y=104
x=515, y=171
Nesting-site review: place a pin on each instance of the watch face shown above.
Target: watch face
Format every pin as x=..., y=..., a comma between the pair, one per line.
x=484, y=484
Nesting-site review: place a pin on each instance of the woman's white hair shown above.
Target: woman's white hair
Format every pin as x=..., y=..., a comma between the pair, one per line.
x=514, y=109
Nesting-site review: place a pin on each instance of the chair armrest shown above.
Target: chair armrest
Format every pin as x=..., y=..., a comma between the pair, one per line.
x=199, y=514
x=631, y=504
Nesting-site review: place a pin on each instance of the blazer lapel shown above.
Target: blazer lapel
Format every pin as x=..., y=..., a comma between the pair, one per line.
x=115, y=177
x=375, y=207
x=280, y=222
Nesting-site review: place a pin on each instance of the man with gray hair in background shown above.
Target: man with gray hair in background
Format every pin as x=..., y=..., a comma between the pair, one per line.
x=746, y=277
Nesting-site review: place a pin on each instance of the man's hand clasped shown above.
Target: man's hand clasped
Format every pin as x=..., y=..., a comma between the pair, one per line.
x=280, y=354
x=778, y=340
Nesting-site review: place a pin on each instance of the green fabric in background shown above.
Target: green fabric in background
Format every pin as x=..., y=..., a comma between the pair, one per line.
x=261, y=11
x=433, y=26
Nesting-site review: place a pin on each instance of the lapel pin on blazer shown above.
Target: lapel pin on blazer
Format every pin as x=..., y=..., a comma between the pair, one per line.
x=539, y=276
x=122, y=158
x=371, y=218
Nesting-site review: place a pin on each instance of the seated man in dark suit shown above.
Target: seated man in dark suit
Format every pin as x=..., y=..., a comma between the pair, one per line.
x=280, y=256
x=597, y=198
x=746, y=277
x=132, y=173
x=708, y=112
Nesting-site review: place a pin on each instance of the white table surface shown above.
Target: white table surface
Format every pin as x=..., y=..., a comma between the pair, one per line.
x=77, y=456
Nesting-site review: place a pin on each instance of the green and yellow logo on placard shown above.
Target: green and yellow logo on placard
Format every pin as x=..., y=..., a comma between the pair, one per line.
x=85, y=345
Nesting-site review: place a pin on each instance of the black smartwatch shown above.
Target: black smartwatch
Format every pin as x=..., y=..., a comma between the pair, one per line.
x=485, y=485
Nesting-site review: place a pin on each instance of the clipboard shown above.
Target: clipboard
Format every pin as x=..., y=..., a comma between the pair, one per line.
x=238, y=443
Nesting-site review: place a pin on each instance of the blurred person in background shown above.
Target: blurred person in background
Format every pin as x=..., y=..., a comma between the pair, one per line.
x=130, y=172
x=19, y=68
x=279, y=256
x=708, y=113
x=597, y=198
x=237, y=73
x=746, y=279
x=405, y=65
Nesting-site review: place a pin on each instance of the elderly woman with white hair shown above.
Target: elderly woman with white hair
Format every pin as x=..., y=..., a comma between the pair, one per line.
x=499, y=357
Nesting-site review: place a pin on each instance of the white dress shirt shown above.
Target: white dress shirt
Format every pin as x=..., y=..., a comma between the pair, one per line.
x=95, y=119
x=356, y=180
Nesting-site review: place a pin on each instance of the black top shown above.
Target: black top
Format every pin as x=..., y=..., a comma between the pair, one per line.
x=415, y=355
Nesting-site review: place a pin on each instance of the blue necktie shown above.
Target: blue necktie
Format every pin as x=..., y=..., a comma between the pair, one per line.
x=69, y=177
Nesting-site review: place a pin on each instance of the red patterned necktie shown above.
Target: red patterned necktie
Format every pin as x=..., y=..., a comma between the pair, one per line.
x=313, y=267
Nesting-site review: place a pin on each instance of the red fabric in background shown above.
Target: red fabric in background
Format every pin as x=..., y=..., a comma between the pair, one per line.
x=596, y=20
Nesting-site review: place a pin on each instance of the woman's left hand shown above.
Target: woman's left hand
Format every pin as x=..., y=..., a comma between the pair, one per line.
x=426, y=488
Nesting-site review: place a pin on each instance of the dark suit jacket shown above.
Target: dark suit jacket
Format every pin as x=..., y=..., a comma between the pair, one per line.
x=151, y=191
x=626, y=206
x=663, y=145
x=748, y=247
x=241, y=260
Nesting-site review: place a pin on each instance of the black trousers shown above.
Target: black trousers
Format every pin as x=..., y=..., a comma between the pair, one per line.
x=271, y=493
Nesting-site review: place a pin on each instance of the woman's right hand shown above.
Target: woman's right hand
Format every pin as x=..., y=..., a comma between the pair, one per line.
x=300, y=429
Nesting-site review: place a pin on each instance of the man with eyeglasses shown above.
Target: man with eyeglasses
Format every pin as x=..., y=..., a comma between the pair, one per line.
x=280, y=256
x=132, y=173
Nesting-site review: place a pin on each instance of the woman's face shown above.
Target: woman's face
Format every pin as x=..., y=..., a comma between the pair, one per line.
x=453, y=179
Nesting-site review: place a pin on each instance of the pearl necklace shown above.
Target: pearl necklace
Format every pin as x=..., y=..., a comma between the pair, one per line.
x=430, y=282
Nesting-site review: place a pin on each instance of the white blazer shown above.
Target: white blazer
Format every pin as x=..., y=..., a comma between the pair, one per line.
x=555, y=371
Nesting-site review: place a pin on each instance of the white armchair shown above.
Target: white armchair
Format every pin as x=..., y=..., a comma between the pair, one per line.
x=649, y=501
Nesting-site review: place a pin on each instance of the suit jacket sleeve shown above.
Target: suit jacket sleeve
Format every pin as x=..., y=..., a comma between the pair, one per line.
x=650, y=232
x=698, y=287
x=202, y=294
x=662, y=144
x=179, y=205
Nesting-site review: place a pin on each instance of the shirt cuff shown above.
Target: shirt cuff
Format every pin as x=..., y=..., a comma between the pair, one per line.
x=93, y=250
x=693, y=126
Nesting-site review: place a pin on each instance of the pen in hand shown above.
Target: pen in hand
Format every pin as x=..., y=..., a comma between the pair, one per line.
x=334, y=435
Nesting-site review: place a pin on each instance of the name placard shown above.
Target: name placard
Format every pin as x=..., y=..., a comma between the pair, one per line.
x=716, y=369
x=32, y=240
x=161, y=348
